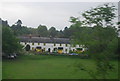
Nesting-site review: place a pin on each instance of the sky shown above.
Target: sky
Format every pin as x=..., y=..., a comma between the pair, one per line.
x=34, y=13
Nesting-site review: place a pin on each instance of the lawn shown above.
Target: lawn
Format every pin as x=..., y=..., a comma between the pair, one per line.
x=49, y=67
x=0, y=69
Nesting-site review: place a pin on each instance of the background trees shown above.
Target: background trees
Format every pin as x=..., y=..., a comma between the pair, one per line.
x=20, y=30
x=52, y=32
x=66, y=32
x=42, y=31
x=19, y=23
x=17, y=27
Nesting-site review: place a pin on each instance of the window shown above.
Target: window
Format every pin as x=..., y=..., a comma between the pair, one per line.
x=38, y=47
x=66, y=50
x=60, y=44
x=32, y=48
x=73, y=49
x=44, y=44
x=66, y=45
x=55, y=49
x=32, y=43
x=44, y=49
x=60, y=48
x=38, y=43
x=54, y=44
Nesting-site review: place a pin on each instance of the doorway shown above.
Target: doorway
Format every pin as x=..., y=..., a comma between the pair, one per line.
x=27, y=48
x=48, y=49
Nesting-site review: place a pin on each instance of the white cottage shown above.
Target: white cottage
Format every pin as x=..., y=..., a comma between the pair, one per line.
x=48, y=43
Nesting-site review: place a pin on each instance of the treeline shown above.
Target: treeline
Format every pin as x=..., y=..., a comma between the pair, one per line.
x=41, y=30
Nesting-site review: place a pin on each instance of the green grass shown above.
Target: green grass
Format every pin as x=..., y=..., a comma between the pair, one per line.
x=0, y=69
x=49, y=67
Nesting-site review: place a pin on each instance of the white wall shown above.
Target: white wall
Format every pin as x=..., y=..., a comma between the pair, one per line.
x=51, y=46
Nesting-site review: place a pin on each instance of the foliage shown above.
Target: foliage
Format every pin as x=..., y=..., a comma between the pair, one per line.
x=99, y=38
x=20, y=30
x=66, y=32
x=52, y=32
x=100, y=16
x=19, y=23
x=42, y=31
x=60, y=34
x=10, y=43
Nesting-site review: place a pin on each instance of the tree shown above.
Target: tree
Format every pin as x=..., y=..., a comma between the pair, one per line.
x=10, y=43
x=66, y=32
x=99, y=38
x=42, y=30
x=100, y=15
x=4, y=23
x=52, y=32
x=76, y=24
x=17, y=28
x=60, y=34
x=19, y=23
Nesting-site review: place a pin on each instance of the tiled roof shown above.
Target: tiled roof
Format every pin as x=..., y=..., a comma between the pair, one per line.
x=44, y=40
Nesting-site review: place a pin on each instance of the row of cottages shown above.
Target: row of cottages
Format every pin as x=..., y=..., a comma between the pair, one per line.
x=48, y=44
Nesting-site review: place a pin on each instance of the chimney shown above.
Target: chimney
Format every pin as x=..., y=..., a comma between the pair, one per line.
x=51, y=37
x=30, y=36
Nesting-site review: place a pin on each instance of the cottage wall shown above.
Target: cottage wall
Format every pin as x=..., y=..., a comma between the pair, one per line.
x=46, y=46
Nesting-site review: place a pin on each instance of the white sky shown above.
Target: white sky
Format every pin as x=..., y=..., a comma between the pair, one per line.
x=33, y=12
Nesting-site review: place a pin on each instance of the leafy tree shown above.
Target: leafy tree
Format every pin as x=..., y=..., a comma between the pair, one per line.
x=76, y=24
x=100, y=16
x=19, y=23
x=22, y=30
x=99, y=38
x=10, y=43
x=66, y=32
x=60, y=34
x=4, y=23
x=42, y=31
x=17, y=28
x=52, y=32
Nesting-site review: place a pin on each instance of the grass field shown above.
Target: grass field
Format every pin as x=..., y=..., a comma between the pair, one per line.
x=0, y=69
x=49, y=67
